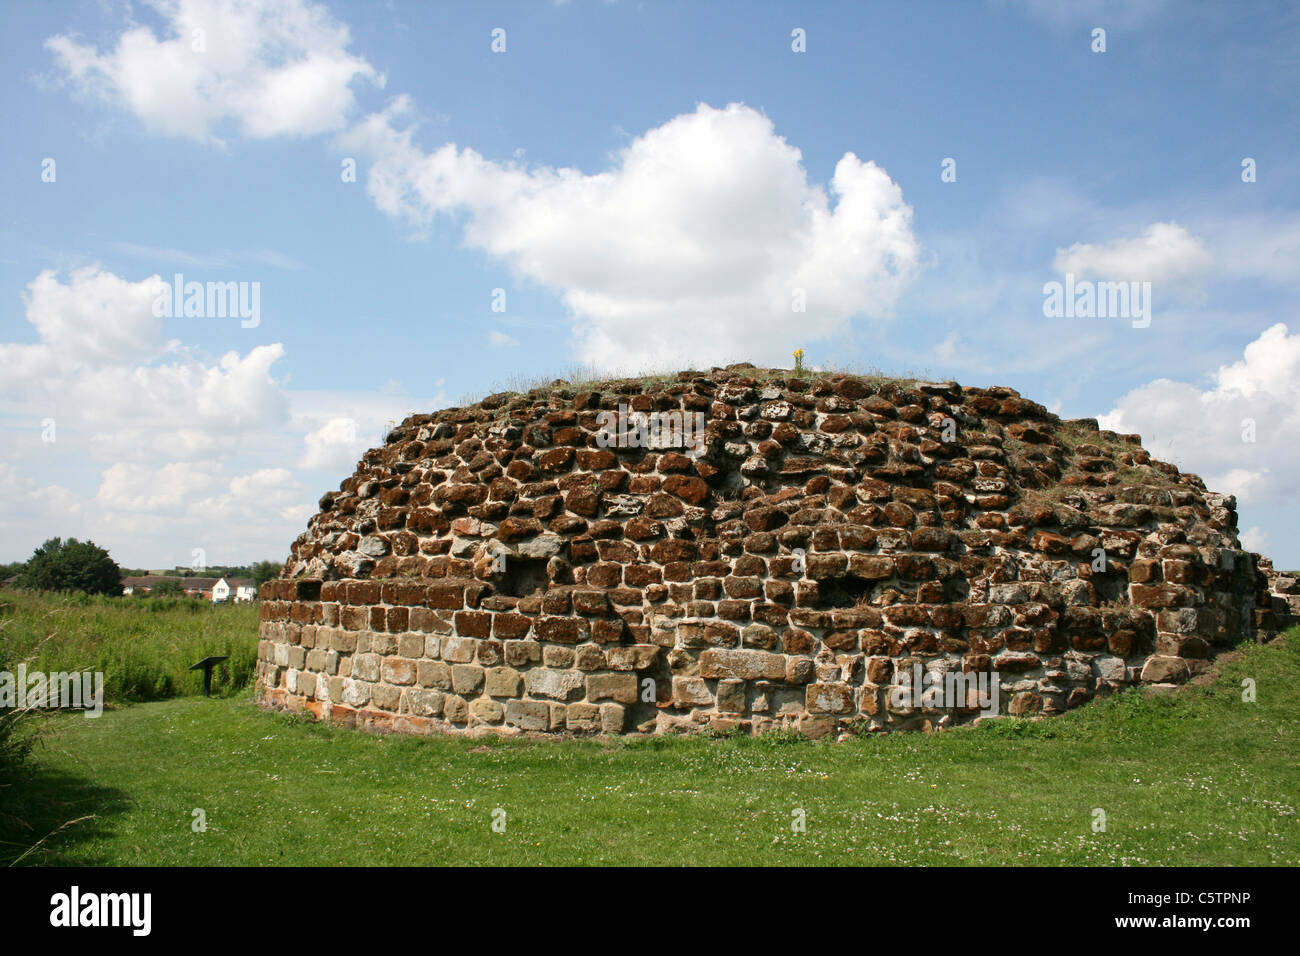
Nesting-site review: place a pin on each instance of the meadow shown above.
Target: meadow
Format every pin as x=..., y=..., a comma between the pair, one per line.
x=1197, y=778
x=143, y=646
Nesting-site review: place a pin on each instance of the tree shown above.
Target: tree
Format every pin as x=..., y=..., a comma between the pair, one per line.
x=72, y=565
x=166, y=589
x=264, y=571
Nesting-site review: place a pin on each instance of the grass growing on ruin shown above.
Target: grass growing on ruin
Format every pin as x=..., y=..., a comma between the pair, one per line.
x=1203, y=778
x=590, y=376
x=143, y=646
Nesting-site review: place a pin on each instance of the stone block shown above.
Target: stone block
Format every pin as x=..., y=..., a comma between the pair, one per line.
x=528, y=714
x=503, y=682
x=691, y=692
x=746, y=665
x=612, y=718
x=830, y=698
x=731, y=696
x=467, y=679
x=554, y=684
x=621, y=688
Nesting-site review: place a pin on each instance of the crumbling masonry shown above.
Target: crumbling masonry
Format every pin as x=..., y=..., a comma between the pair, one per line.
x=497, y=568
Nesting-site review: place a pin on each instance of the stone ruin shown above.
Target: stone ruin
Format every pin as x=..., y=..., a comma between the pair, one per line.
x=796, y=561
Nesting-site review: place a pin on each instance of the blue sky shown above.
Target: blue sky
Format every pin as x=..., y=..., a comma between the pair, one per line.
x=649, y=184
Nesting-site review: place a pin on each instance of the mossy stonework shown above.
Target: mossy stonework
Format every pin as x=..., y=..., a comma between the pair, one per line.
x=506, y=567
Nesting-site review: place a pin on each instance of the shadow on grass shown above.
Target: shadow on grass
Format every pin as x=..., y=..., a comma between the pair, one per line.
x=47, y=816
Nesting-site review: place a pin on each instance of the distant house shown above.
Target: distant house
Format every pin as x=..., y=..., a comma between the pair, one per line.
x=199, y=587
x=194, y=587
x=216, y=590
x=234, y=589
x=143, y=584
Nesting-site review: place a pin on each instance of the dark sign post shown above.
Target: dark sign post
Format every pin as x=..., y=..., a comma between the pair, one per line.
x=206, y=665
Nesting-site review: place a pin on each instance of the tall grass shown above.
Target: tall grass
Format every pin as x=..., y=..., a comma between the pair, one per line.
x=144, y=647
x=591, y=375
x=19, y=731
x=17, y=734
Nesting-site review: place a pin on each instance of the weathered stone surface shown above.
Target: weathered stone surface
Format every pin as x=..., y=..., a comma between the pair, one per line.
x=632, y=657
x=1024, y=703
x=620, y=688
x=433, y=674
x=1165, y=670
x=502, y=682
x=747, y=665
x=554, y=684
x=528, y=714
x=542, y=546
x=1111, y=669
x=486, y=710
x=424, y=703
x=613, y=718
x=691, y=692
x=731, y=696
x=835, y=698
x=495, y=566
x=397, y=670
x=467, y=679
x=582, y=718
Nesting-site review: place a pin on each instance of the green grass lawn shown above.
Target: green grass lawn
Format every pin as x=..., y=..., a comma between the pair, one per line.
x=1203, y=778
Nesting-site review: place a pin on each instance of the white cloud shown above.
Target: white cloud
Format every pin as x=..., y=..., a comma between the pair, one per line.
x=187, y=407
x=166, y=422
x=500, y=339
x=704, y=242
x=31, y=513
x=273, y=68
x=95, y=318
x=161, y=491
x=32, y=500
x=335, y=446
x=374, y=413
x=1253, y=539
x=100, y=364
x=55, y=499
x=1209, y=431
x=1268, y=366
x=158, y=516
x=1164, y=252
x=689, y=250
x=268, y=493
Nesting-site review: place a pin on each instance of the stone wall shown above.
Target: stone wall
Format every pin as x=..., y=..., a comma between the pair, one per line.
x=1282, y=599
x=495, y=568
